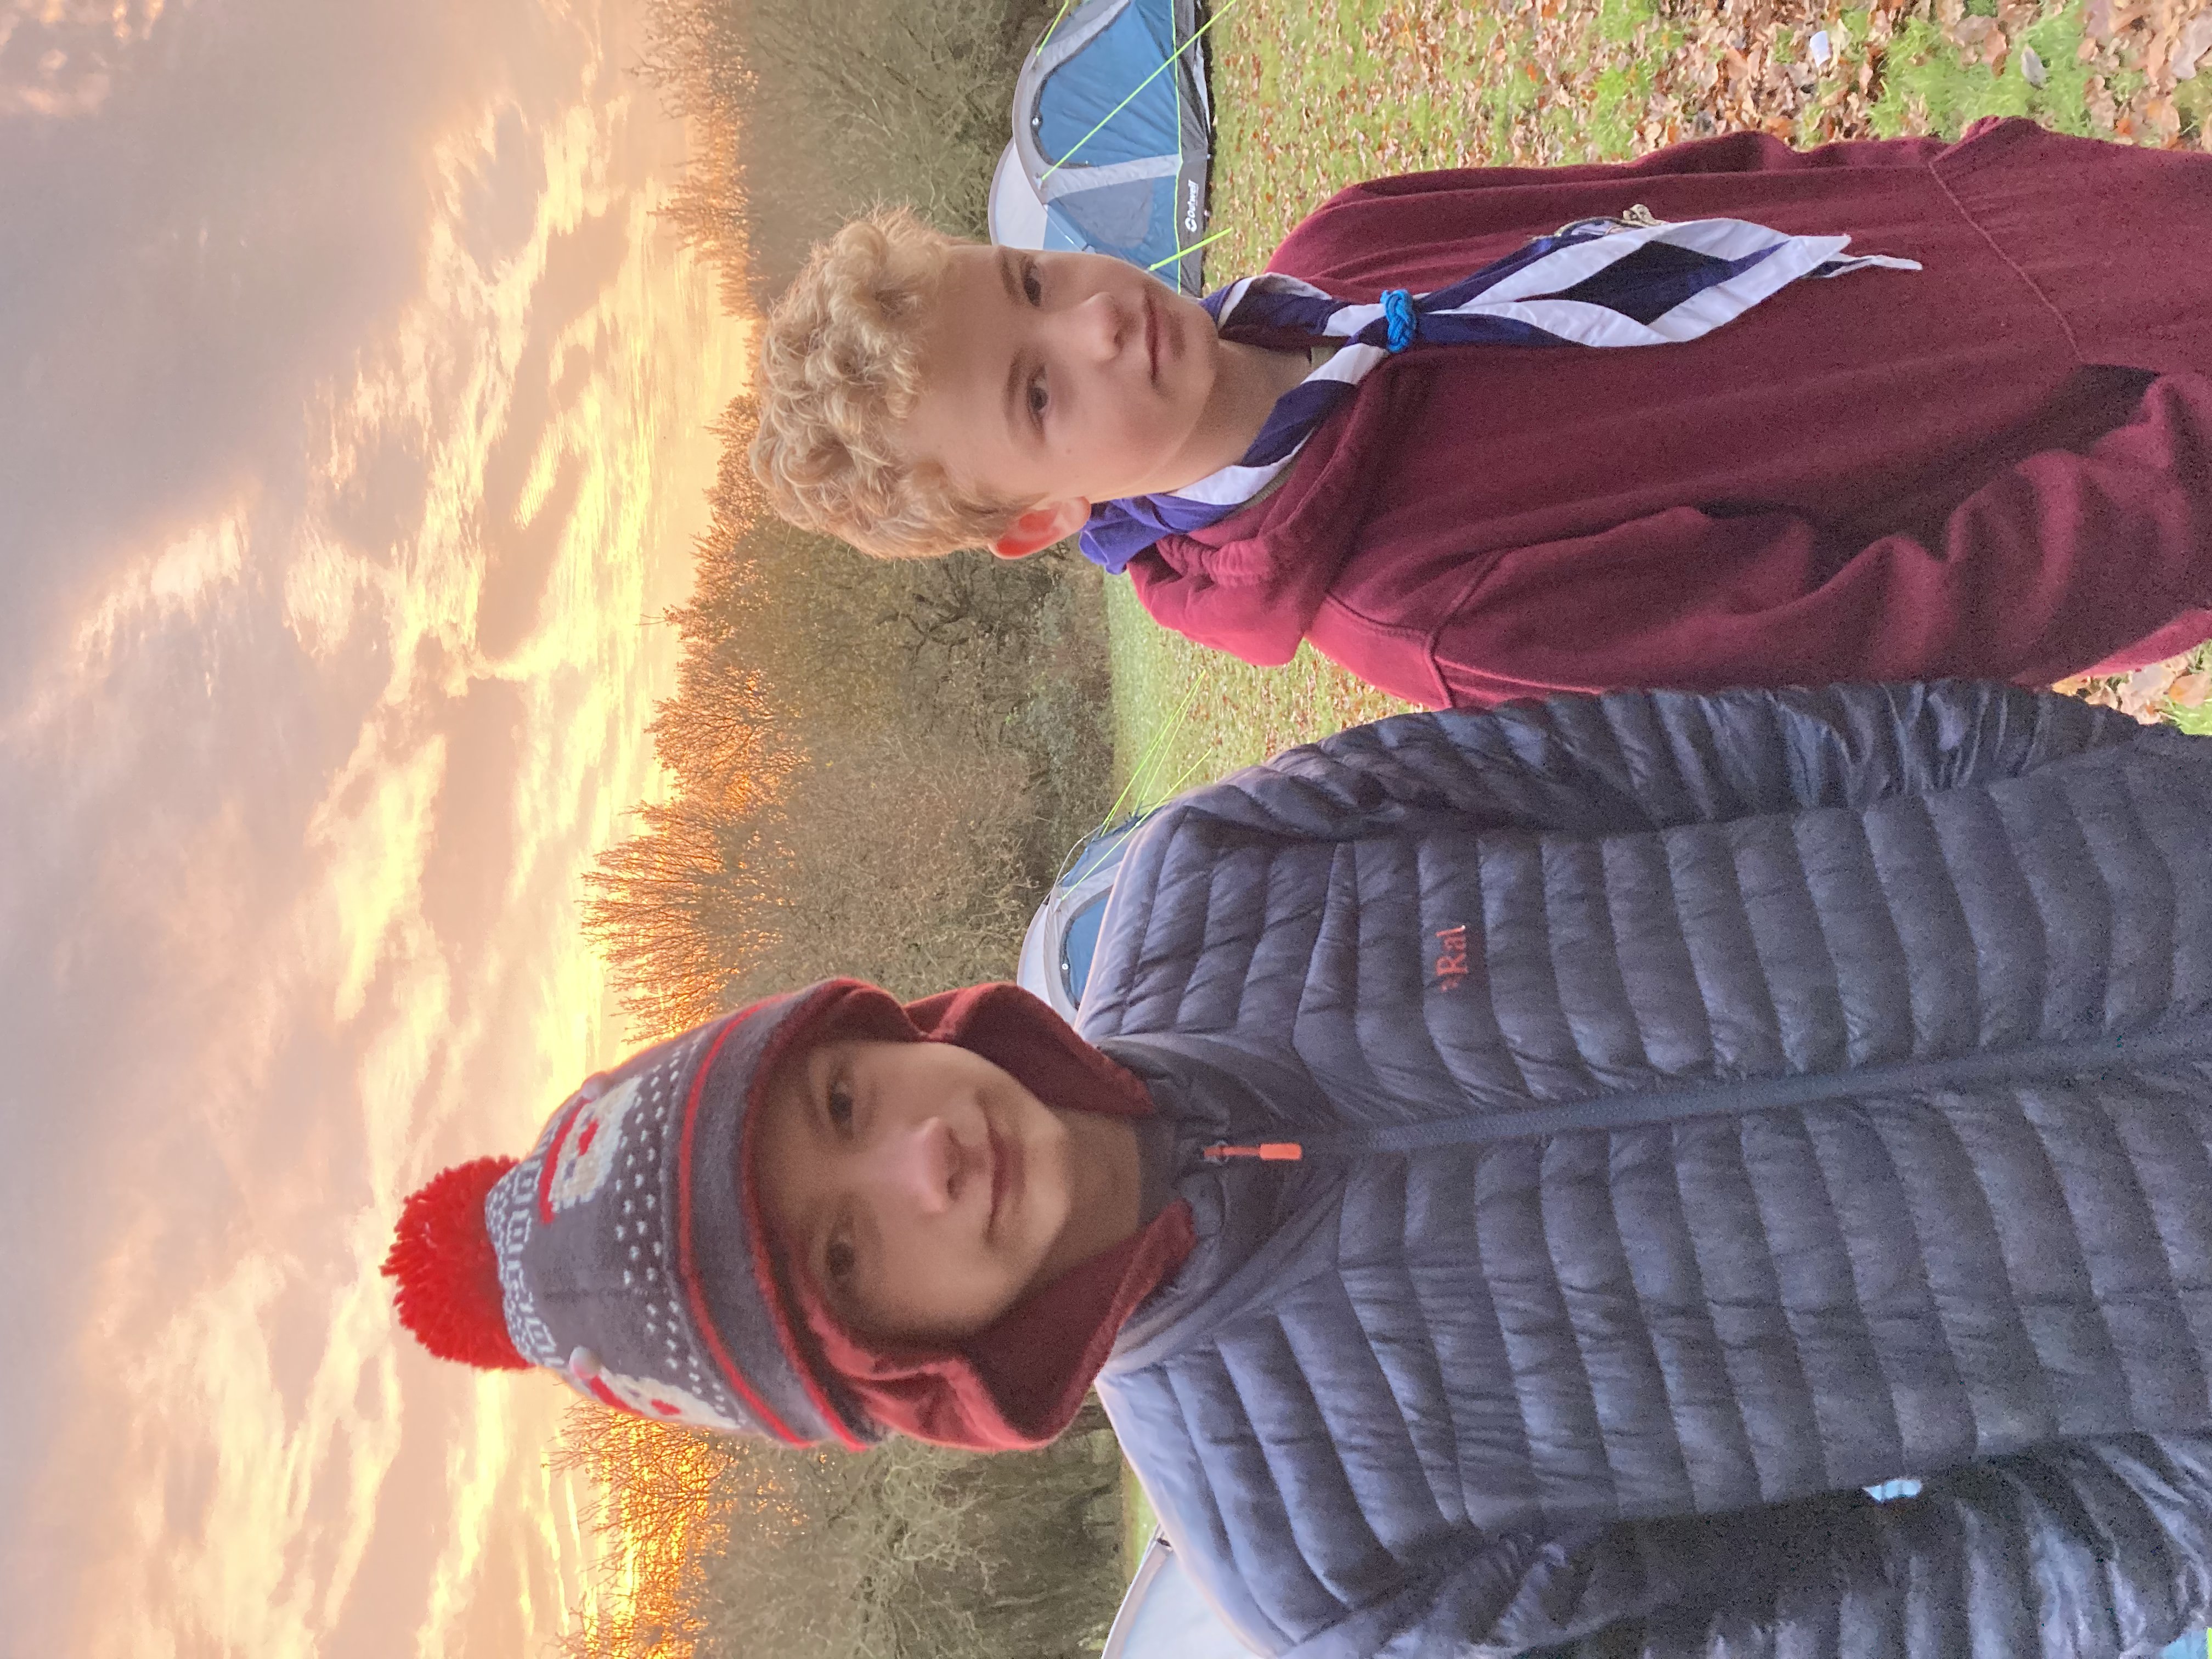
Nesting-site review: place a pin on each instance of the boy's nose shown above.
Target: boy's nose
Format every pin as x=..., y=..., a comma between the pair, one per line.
x=1105, y=326
x=922, y=1165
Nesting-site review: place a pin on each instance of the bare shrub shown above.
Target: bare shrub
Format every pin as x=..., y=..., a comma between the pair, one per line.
x=894, y=857
x=877, y=768
x=907, y=1552
x=819, y=111
x=660, y=1514
x=682, y=907
x=904, y=864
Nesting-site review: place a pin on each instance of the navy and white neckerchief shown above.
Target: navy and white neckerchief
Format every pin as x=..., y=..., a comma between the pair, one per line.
x=1633, y=280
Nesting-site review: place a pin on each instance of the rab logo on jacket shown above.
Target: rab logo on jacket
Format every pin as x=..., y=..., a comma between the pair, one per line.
x=1452, y=963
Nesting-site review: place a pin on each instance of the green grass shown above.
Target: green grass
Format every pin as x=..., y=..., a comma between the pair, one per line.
x=1310, y=99
x=1619, y=20
x=1619, y=90
x=1184, y=715
x=1138, y=1522
x=1926, y=90
x=2194, y=100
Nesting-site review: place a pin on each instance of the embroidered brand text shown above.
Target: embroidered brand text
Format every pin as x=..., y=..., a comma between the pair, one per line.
x=1451, y=960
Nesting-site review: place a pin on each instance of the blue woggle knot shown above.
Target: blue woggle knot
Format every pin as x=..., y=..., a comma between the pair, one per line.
x=1398, y=311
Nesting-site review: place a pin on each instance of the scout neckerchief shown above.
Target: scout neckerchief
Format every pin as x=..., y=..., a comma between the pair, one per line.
x=1633, y=280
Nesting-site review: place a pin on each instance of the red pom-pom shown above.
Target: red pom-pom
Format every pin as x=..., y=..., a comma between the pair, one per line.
x=449, y=1278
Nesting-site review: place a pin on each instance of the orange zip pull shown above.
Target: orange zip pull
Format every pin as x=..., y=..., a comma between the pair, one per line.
x=1270, y=1152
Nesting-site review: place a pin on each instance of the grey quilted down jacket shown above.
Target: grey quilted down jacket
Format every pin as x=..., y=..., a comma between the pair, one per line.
x=1710, y=1106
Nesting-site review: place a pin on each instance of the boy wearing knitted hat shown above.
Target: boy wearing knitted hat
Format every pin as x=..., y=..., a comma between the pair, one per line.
x=636, y=1251
x=1505, y=432
x=1518, y=1178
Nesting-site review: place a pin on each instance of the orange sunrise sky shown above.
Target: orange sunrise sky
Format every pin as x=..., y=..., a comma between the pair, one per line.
x=353, y=441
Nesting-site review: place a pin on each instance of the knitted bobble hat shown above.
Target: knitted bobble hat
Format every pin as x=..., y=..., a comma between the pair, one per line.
x=625, y=1252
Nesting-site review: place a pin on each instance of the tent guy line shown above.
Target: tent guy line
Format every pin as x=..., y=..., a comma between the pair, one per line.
x=1181, y=250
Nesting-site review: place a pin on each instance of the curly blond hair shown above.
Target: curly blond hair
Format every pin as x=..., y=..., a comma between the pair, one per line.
x=840, y=372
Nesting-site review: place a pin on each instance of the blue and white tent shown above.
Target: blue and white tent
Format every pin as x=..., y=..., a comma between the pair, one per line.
x=1112, y=138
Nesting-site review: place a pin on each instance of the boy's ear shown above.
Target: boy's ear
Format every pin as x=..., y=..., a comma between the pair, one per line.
x=1041, y=526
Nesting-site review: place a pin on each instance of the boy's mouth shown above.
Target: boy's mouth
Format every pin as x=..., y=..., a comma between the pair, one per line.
x=1005, y=1171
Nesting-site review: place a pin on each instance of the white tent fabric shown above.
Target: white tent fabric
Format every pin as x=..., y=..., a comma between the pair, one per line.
x=1016, y=211
x=1164, y=1617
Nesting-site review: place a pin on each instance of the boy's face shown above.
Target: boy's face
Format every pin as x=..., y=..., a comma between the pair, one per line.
x=921, y=1190
x=1060, y=379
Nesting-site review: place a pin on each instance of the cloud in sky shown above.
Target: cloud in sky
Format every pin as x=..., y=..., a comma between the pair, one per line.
x=58, y=58
x=355, y=433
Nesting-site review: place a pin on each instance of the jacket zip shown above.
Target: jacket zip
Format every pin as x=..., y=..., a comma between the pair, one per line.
x=2059, y=1062
x=2065, y=1062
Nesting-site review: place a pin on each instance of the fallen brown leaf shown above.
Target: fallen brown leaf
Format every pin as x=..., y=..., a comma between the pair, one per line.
x=2189, y=47
x=2147, y=685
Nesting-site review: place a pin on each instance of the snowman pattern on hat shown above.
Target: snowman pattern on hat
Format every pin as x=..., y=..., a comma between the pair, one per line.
x=583, y=1156
x=643, y=1396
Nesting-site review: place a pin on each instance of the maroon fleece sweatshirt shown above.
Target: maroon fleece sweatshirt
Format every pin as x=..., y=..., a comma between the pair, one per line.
x=1998, y=467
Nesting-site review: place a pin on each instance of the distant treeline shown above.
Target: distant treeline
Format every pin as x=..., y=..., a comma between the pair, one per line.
x=804, y=113
x=876, y=768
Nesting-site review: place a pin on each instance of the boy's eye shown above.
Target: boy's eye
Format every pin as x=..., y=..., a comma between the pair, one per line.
x=838, y=1261
x=841, y=1105
x=1038, y=398
x=1032, y=283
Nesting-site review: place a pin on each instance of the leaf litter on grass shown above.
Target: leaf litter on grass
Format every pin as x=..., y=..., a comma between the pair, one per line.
x=1311, y=98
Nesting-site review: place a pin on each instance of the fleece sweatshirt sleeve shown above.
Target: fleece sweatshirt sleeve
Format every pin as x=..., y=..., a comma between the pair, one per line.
x=1639, y=759
x=2062, y=554
x=2099, y=1547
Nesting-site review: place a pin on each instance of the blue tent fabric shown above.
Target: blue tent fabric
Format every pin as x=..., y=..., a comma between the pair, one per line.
x=1113, y=131
x=1077, y=107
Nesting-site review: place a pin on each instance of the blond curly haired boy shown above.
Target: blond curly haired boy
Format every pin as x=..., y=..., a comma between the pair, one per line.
x=920, y=393
x=1986, y=450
